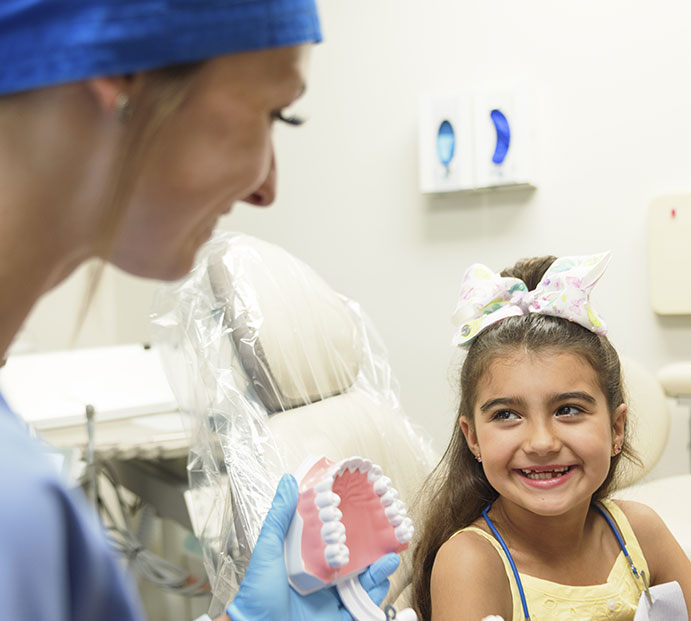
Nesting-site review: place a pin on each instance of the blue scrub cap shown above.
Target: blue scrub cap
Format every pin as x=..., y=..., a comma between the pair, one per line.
x=47, y=42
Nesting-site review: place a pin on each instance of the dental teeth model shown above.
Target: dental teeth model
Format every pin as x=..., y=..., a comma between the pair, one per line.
x=348, y=516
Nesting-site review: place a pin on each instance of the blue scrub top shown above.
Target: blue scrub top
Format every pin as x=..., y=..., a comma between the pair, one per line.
x=55, y=562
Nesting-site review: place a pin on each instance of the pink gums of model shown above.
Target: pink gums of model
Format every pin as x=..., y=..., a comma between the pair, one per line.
x=348, y=516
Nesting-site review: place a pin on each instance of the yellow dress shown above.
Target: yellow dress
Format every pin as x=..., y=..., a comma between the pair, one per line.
x=550, y=601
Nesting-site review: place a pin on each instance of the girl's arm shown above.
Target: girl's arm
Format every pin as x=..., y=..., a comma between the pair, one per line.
x=468, y=581
x=666, y=559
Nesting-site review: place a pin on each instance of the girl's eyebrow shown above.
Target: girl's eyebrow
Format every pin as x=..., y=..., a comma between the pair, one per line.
x=487, y=405
x=583, y=396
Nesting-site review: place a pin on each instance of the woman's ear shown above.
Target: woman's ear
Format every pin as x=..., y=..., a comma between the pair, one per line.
x=470, y=435
x=618, y=428
x=107, y=90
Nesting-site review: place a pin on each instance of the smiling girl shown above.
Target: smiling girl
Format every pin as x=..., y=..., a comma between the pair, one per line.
x=519, y=520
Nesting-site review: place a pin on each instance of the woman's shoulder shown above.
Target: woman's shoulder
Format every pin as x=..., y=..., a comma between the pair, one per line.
x=48, y=527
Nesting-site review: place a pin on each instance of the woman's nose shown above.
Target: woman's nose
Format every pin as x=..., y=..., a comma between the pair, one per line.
x=541, y=439
x=265, y=194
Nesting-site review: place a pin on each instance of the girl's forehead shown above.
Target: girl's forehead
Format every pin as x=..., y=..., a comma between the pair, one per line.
x=524, y=372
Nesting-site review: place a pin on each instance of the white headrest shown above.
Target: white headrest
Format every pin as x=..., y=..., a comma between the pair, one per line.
x=648, y=418
x=294, y=334
x=676, y=379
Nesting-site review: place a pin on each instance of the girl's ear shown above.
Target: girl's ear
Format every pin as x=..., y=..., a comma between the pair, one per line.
x=618, y=427
x=470, y=435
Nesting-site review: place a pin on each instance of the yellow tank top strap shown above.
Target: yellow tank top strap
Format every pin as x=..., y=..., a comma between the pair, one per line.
x=627, y=533
x=515, y=596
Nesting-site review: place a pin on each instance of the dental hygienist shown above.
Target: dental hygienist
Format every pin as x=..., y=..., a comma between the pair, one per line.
x=127, y=127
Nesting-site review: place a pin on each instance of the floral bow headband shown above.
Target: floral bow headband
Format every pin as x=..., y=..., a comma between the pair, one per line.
x=564, y=291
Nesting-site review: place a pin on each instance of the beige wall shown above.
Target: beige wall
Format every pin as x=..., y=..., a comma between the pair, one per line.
x=614, y=129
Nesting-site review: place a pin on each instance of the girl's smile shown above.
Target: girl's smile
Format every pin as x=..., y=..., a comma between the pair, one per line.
x=546, y=476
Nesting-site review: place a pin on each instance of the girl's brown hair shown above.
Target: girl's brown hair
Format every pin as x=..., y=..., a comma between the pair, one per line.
x=457, y=491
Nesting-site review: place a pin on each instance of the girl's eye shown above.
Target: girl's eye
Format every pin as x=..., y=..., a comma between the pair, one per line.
x=294, y=120
x=504, y=415
x=568, y=410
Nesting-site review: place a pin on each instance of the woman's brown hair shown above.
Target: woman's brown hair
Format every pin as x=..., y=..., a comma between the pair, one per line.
x=457, y=491
x=161, y=96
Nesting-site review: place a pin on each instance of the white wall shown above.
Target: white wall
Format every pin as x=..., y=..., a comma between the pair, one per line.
x=614, y=127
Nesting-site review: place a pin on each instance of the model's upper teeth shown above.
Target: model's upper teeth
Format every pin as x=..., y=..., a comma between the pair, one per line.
x=330, y=514
x=337, y=555
x=327, y=499
x=389, y=497
x=333, y=531
x=382, y=485
x=374, y=473
x=404, y=531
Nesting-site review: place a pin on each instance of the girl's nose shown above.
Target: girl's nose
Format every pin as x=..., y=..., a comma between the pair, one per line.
x=541, y=439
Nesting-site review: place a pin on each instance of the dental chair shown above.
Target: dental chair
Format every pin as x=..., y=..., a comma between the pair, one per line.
x=275, y=367
x=649, y=415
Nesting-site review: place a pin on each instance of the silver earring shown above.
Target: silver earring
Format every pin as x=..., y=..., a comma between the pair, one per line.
x=478, y=458
x=123, y=107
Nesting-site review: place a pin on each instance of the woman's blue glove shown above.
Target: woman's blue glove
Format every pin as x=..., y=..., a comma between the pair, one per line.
x=265, y=593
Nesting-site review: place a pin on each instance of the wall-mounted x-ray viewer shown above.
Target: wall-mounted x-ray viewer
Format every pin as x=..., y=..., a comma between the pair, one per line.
x=477, y=141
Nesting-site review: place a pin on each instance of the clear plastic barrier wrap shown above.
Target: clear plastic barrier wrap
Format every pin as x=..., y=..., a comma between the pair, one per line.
x=273, y=366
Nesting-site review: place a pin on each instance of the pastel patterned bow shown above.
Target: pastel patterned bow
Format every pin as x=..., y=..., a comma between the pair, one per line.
x=564, y=291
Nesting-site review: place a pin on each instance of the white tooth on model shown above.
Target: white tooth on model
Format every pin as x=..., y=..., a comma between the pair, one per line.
x=397, y=508
x=325, y=485
x=333, y=532
x=404, y=531
x=341, y=468
x=336, y=555
x=354, y=464
x=329, y=514
x=374, y=473
x=382, y=485
x=327, y=499
x=365, y=466
x=389, y=497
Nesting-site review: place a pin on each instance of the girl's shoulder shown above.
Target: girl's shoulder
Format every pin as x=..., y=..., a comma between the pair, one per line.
x=665, y=558
x=644, y=521
x=468, y=557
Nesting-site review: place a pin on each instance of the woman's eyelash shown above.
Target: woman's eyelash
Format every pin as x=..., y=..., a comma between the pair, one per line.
x=293, y=120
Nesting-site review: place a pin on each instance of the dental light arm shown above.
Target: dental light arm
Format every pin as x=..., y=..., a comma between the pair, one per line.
x=348, y=515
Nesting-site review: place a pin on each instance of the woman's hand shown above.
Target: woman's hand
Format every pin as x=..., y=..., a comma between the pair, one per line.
x=265, y=593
